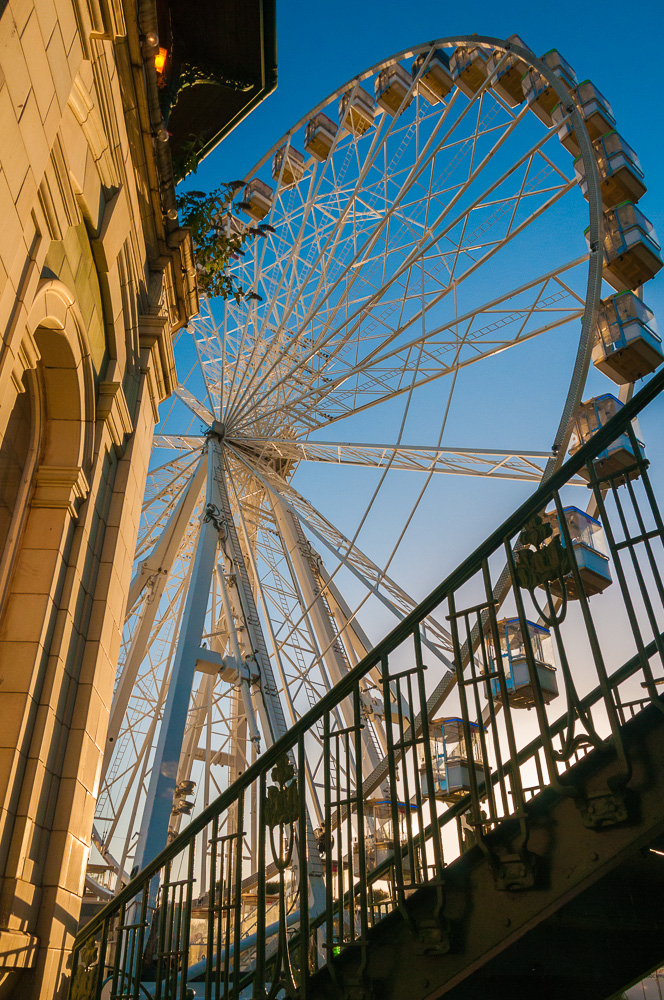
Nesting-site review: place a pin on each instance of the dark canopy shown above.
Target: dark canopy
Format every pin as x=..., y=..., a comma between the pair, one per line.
x=221, y=63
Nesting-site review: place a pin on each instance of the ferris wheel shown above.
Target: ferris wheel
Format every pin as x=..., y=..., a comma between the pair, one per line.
x=426, y=218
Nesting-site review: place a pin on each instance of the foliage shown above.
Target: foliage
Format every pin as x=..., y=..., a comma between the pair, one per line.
x=218, y=239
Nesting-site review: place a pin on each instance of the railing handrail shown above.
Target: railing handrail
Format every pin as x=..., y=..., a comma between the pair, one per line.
x=466, y=569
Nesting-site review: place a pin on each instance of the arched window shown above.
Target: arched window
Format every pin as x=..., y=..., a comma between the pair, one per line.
x=18, y=455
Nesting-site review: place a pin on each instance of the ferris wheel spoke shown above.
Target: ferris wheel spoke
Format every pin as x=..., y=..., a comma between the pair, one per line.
x=511, y=234
x=518, y=464
x=383, y=374
x=367, y=249
x=278, y=649
x=192, y=403
x=180, y=442
x=427, y=155
x=374, y=579
x=382, y=371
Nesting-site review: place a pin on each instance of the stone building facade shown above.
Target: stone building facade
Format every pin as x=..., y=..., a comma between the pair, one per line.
x=94, y=279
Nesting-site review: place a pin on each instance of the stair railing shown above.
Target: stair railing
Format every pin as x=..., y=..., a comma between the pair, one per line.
x=453, y=785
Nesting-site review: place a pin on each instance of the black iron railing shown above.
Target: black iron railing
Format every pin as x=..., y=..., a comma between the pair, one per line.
x=199, y=918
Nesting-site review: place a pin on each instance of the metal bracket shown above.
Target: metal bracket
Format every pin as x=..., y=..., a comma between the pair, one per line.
x=514, y=873
x=432, y=937
x=357, y=991
x=602, y=810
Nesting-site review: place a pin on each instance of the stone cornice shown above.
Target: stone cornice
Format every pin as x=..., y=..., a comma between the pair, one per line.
x=59, y=487
x=113, y=409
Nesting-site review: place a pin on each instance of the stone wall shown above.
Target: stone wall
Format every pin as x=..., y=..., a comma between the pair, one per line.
x=94, y=279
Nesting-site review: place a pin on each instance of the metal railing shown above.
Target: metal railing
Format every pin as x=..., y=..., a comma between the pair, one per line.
x=444, y=786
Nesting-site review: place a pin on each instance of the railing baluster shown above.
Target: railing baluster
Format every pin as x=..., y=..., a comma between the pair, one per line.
x=475, y=682
x=161, y=931
x=209, y=967
x=329, y=887
x=428, y=764
x=237, y=895
x=361, y=856
x=304, y=868
x=259, y=976
x=397, y=868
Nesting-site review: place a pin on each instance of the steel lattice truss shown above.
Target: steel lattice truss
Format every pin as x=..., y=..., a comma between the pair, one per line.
x=399, y=267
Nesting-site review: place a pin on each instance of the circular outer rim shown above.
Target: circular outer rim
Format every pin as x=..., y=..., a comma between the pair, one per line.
x=594, y=283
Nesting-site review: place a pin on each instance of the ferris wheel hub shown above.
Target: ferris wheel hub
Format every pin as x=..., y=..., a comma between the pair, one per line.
x=217, y=430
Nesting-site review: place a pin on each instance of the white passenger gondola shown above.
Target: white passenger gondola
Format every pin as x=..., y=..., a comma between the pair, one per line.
x=589, y=546
x=540, y=95
x=379, y=843
x=288, y=164
x=436, y=81
x=356, y=111
x=514, y=658
x=508, y=82
x=391, y=88
x=619, y=457
x=319, y=136
x=620, y=174
x=631, y=251
x=452, y=760
x=258, y=198
x=627, y=345
x=230, y=225
x=468, y=66
x=593, y=108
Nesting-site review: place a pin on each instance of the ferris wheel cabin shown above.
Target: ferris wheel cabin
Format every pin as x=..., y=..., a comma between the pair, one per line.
x=319, y=136
x=616, y=460
x=593, y=108
x=452, y=760
x=627, y=344
x=468, y=66
x=356, y=111
x=631, y=252
x=436, y=81
x=391, y=88
x=519, y=687
x=230, y=225
x=541, y=97
x=508, y=82
x=258, y=198
x=382, y=842
x=589, y=547
x=620, y=174
x=288, y=163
